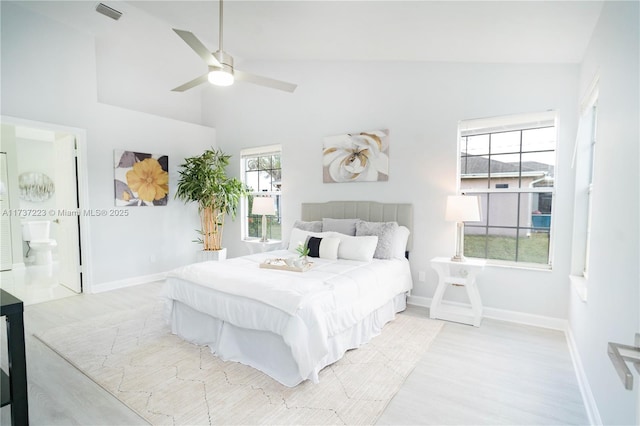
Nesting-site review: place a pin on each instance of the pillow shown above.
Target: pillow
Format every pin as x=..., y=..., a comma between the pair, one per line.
x=399, y=246
x=314, y=226
x=343, y=226
x=384, y=231
x=356, y=248
x=298, y=236
x=324, y=248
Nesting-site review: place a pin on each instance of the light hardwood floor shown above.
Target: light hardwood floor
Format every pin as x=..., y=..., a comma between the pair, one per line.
x=500, y=373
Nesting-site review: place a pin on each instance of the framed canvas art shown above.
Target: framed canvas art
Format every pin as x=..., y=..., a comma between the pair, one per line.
x=140, y=179
x=356, y=157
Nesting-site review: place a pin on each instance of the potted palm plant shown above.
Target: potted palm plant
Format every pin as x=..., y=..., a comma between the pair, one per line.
x=203, y=179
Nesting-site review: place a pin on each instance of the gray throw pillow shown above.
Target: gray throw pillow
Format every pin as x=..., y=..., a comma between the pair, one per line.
x=343, y=226
x=385, y=232
x=313, y=226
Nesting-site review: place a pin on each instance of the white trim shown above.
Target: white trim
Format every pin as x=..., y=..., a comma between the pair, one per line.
x=526, y=319
x=423, y=302
x=19, y=265
x=504, y=123
x=83, y=196
x=591, y=95
x=128, y=282
x=583, y=383
x=502, y=314
x=260, y=150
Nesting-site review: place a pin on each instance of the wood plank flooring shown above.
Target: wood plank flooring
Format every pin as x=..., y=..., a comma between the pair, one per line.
x=500, y=373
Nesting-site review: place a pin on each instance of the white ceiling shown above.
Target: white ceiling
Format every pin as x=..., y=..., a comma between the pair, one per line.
x=459, y=31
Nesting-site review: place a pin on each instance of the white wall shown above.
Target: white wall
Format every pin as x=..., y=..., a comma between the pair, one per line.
x=421, y=104
x=36, y=156
x=148, y=241
x=612, y=310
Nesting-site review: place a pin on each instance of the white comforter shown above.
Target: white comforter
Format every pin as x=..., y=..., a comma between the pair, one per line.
x=304, y=308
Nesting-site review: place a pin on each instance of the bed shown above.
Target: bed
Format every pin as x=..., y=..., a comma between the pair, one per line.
x=289, y=324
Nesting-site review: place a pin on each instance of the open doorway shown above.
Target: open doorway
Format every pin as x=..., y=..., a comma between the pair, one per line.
x=42, y=202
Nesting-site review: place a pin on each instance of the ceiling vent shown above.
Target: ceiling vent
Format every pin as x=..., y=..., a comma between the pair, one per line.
x=108, y=11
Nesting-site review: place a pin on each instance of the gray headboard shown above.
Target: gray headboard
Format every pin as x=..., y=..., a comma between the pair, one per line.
x=370, y=211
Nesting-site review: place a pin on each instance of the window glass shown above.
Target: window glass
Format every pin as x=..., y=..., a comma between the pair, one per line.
x=262, y=173
x=513, y=172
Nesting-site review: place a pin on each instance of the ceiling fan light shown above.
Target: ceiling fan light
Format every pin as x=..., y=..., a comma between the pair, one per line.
x=221, y=78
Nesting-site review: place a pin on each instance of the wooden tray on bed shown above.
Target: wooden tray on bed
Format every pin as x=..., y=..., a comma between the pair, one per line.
x=282, y=265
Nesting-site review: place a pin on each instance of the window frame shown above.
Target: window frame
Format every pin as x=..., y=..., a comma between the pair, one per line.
x=590, y=188
x=586, y=144
x=584, y=189
x=256, y=152
x=495, y=125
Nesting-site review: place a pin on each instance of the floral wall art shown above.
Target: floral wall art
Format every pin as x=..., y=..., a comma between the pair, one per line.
x=356, y=157
x=140, y=179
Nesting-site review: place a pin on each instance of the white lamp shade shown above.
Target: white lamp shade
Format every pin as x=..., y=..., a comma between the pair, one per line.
x=463, y=208
x=263, y=206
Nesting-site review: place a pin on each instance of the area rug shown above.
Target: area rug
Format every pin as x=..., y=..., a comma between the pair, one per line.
x=133, y=355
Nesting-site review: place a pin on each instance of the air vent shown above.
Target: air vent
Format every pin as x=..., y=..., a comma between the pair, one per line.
x=108, y=11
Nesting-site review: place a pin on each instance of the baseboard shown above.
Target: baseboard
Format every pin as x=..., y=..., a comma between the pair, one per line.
x=503, y=314
x=585, y=390
x=127, y=282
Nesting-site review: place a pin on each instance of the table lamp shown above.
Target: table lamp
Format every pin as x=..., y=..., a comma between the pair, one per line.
x=263, y=206
x=460, y=209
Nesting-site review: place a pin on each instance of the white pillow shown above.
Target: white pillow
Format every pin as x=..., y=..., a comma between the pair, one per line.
x=399, y=244
x=356, y=248
x=324, y=248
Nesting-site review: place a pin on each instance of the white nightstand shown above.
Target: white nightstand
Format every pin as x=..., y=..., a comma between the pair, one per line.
x=257, y=246
x=457, y=274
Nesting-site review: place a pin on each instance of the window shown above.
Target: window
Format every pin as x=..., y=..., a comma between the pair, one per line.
x=262, y=173
x=583, y=164
x=591, y=149
x=510, y=163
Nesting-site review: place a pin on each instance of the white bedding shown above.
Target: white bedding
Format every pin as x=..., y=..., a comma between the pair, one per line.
x=305, y=309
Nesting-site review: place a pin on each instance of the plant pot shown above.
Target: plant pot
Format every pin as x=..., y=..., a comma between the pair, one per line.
x=207, y=255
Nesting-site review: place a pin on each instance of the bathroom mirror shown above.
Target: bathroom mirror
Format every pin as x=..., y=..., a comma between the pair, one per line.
x=35, y=186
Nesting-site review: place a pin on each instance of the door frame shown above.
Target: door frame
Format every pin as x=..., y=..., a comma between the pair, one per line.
x=82, y=189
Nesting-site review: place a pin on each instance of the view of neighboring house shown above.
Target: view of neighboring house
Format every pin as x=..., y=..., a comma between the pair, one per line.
x=534, y=209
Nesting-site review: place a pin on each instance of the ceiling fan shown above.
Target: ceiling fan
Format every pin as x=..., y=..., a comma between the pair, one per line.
x=221, y=70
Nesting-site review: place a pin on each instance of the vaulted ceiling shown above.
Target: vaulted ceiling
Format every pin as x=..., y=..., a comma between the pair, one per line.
x=460, y=31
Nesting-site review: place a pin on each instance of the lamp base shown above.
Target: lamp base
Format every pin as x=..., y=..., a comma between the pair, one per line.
x=459, y=243
x=264, y=238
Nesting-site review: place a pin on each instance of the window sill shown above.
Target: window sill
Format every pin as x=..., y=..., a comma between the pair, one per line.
x=579, y=284
x=516, y=265
x=258, y=241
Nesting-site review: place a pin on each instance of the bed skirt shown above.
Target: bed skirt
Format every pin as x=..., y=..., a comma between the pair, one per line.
x=266, y=351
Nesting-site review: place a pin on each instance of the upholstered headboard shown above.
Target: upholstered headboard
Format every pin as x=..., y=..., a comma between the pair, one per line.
x=370, y=211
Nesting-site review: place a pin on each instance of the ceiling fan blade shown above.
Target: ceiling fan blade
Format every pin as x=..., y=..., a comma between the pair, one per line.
x=193, y=83
x=198, y=47
x=264, y=81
